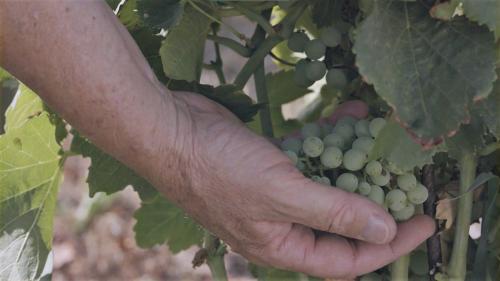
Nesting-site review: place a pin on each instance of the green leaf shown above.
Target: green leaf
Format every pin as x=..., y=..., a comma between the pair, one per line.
x=146, y=37
x=228, y=96
x=489, y=109
x=324, y=12
x=160, y=221
x=273, y=274
x=396, y=146
x=25, y=105
x=30, y=174
x=282, y=88
x=468, y=140
x=106, y=174
x=128, y=15
x=182, y=50
x=160, y=13
x=409, y=59
x=484, y=12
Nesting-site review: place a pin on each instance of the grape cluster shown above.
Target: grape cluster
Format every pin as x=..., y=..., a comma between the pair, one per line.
x=338, y=155
x=312, y=68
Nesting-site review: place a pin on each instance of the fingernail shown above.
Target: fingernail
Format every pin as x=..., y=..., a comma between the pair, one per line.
x=376, y=230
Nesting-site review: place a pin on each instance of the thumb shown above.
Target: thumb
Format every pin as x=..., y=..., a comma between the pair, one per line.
x=334, y=210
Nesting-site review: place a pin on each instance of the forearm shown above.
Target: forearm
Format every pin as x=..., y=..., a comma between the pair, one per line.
x=82, y=62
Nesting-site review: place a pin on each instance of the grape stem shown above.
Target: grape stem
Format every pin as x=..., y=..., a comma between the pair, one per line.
x=215, y=256
x=218, y=63
x=260, y=80
x=267, y=45
x=399, y=268
x=262, y=21
x=434, y=257
x=231, y=44
x=458, y=261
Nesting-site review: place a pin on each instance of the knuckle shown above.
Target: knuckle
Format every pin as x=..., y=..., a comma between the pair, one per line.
x=341, y=217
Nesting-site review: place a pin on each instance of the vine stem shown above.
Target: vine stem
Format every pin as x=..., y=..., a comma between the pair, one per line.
x=265, y=47
x=218, y=64
x=238, y=34
x=215, y=257
x=399, y=268
x=434, y=256
x=458, y=261
x=260, y=80
x=231, y=44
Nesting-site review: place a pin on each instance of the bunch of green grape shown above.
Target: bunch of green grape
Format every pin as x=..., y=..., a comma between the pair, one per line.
x=339, y=156
x=313, y=67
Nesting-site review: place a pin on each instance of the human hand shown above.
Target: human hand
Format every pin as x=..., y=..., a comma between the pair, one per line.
x=247, y=192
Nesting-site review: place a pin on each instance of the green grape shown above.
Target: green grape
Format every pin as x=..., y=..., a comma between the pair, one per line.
x=331, y=157
x=345, y=130
x=362, y=128
x=364, y=144
x=376, y=125
x=347, y=120
x=298, y=41
x=373, y=168
x=377, y=195
x=407, y=182
x=418, y=263
x=383, y=179
x=312, y=146
x=325, y=181
x=391, y=167
x=336, y=78
x=301, y=165
x=330, y=36
x=364, y=188
x=299, y=75
x=371, y=277
x=292, y=144
x=326, y=129
x=347, y=182
x=404, y=214
x=315, y=49
x=311, y=130
x=334, y=139
x=396, y=200
x=354, y=159
x=292, y=156
x=315, y=70
x=315, y=178
x=418, y=195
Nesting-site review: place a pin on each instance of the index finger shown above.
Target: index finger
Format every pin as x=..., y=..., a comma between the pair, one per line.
x=335, y=256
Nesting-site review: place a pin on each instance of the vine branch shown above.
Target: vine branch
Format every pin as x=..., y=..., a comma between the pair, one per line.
x=434, y=258
x=458, y=262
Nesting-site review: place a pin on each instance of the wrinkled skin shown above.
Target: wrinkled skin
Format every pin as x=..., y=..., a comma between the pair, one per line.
x=86, y=67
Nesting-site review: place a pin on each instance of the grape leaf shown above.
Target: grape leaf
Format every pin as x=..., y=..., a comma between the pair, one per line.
x=228, y=96
x=159, y=221
x=146, y=37
x=484, y=12
x=182, y=50
x=282, y=88
x=106, y=174
x=324, y=12
x=26, y=104
x=468, y=140
x=30, y=174
x=396, y=146
x=489, y=109
x=160, y=13
x=128, y=15
x=429, y=82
